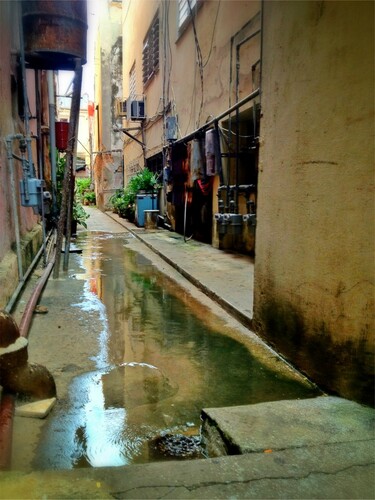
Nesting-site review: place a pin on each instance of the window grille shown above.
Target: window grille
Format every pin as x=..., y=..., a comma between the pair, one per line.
x=132, y=82
x=184, y=11
x=150, y=55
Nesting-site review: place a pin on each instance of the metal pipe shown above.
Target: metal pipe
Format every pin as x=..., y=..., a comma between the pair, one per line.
x=7, y=405
x=24, y=89
x=52, y=138
x=241, y=187
x=39, y=157
x=14, y=203
x=73, y=131
x=219, y=117
x=22, y=282
x=30, y=306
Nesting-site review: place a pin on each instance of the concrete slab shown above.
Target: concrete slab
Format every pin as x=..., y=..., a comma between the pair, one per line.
x=37, y=409
x=281, y=425
x=330, y=471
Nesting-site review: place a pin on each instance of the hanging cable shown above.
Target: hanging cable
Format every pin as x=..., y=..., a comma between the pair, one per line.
x=199, y=60
x=213, y=34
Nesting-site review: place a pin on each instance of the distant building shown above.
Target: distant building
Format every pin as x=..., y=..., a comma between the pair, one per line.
x=108, y=142
x=83, y=161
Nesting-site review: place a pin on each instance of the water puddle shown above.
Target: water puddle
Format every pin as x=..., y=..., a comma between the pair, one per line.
x=160, y=360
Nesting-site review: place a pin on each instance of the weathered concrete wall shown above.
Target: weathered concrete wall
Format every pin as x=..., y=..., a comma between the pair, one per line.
x=10, y=123
x=314, y=266
x=108, y=171
x=196, y=77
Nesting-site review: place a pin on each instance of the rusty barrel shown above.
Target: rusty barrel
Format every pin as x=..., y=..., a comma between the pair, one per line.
x=55, y=33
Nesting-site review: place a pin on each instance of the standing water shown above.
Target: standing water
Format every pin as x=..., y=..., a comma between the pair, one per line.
x=159, y=358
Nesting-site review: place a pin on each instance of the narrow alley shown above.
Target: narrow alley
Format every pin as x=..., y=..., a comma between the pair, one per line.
x=187, y=238
x=79, y=312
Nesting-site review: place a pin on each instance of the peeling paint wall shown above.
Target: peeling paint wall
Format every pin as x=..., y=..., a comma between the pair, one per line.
x=193, y=94
x=10, y=123
x=108, y=165
x=314, y=265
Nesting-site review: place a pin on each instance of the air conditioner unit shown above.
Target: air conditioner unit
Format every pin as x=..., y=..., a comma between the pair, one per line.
x=136, y=110
x=120, y=107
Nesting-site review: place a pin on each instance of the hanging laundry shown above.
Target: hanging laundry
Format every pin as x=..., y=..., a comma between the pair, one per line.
x=197, y=160
x=213, y=155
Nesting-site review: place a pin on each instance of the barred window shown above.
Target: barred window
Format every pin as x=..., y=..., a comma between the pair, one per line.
x=150, y=55
x=132, y=82
x=184, y=11
x=187, y=8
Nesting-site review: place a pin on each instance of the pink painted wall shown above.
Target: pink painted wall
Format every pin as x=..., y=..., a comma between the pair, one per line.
x=10, y=123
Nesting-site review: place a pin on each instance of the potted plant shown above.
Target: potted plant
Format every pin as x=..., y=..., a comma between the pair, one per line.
x=124, y=202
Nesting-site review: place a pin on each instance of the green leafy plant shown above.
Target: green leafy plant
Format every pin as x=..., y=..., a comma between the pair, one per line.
x=78, y=215
x=123, y=204
x=123, y=201
x=89, y=198
x=82, y=185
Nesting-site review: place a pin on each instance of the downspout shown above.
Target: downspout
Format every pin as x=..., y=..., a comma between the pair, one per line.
x=25, y=97
x=8, y=141
x=52, y=138
x=39, y=157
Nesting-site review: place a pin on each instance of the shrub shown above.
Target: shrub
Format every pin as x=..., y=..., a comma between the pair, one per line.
x=123, y=201
x=89, y=198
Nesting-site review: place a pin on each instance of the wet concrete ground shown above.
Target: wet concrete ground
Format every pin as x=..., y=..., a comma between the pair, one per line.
x=322, y=470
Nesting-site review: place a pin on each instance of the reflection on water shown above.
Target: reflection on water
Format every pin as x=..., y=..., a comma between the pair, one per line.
x=158, y=365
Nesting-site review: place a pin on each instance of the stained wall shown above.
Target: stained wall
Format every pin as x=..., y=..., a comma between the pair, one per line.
x=314, y=264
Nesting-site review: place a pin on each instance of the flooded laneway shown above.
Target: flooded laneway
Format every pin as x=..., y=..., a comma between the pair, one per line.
x=156, y=356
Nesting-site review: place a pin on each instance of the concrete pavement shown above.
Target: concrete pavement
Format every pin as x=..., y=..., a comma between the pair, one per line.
x=314, y=448
x=225, y=277
x=328, y=455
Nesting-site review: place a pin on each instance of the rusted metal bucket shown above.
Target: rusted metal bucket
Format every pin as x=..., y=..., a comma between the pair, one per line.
x=55, y=33
x=62, y=132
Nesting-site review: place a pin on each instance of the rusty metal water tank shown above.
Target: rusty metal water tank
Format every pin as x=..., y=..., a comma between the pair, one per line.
x=55, y=33
x=62, y=135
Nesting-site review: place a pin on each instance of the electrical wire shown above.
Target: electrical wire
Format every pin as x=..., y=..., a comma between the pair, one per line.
x=199, y=60
x=213, y=34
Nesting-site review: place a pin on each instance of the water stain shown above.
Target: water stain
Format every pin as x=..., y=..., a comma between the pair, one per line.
x=160, y=361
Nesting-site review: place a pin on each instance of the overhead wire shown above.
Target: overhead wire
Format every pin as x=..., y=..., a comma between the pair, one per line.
x=213, y=35
x=199, y=61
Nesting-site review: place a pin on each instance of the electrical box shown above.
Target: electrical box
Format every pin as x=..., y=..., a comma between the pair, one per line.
x=31, y=192
x=171, y=128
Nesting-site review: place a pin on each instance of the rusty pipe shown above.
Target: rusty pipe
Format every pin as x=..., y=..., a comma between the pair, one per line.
x=30, y=306
x=25, y=375
x=7, y=405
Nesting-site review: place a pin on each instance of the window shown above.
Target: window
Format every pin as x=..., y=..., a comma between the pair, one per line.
x=132, y=82
x=184, y=12
x=150, y=55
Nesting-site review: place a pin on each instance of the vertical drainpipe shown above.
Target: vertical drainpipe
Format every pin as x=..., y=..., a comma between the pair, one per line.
x=52, y=137
x=25, y=99
x=39, y=155
x=237, y=126
x=14, y=202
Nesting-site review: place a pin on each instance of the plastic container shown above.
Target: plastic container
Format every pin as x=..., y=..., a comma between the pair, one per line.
x=144, y=202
